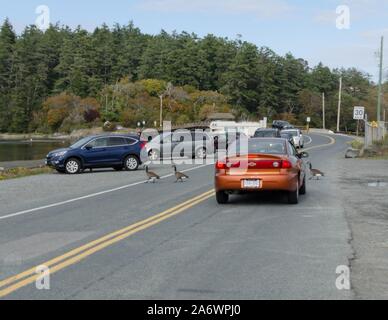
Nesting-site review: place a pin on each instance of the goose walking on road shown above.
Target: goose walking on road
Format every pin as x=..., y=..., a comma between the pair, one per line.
x=315, y=173
x=179, y=175
x=152, y=176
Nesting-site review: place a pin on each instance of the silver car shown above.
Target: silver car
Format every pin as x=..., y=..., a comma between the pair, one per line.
x=181, y=144
x=297, y=136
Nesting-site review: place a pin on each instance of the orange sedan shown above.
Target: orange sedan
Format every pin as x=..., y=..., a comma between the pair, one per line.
x=261, y=164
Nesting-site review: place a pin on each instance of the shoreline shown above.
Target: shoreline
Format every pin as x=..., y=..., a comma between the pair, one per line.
x=33, y=136
x=28, y=164
x=74, y=135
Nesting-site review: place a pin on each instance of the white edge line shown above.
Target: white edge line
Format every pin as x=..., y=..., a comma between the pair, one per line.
x=311, y=140
x=57, y=204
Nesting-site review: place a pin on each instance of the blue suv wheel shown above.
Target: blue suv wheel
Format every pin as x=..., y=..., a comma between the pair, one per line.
x=131, y=163
x=73, y=166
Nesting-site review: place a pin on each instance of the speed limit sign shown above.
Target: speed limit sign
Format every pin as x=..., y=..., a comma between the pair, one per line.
x=359, y=113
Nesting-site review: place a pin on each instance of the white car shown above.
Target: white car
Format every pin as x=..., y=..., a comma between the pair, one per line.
x=297, y=136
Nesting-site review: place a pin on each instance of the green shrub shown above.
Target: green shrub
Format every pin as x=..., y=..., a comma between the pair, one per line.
x=357, y=144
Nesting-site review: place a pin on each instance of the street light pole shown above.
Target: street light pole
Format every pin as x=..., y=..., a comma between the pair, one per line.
x=339, y=105
x=323, y=111
x=161, y=110
x=380, y=81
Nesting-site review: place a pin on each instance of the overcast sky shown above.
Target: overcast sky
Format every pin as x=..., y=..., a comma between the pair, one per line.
x=306, y=28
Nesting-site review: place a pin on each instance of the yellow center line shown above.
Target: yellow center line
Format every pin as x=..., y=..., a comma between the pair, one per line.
x=84, y=251
x=332, y=141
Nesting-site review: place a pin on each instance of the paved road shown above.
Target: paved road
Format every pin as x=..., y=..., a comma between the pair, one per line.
x=257, y=247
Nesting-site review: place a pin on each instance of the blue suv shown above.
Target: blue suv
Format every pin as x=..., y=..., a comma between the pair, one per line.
x=105, y=151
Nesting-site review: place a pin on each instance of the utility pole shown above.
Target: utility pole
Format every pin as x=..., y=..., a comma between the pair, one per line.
x=161, y=110
x=339, y=105
x=380, y=81
x=323, y=111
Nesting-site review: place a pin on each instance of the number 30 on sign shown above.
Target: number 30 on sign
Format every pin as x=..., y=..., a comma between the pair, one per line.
x=359, y=113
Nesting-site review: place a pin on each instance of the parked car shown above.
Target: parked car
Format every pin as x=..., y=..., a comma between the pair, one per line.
x=222, y=140
x=267, y=133
x=288, y=136
x=180, y=144
x=297, y=137
x=271, y=164
x=105, y=151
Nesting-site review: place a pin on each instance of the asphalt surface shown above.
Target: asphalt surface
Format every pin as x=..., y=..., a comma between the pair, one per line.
x=256, y=247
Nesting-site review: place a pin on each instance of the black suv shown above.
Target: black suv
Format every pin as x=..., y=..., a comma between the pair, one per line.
x=281, y=125
x=267, y=133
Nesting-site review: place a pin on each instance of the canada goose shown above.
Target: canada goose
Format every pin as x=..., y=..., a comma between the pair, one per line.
x=152, y=176
x=179, y=175
x=315, y=173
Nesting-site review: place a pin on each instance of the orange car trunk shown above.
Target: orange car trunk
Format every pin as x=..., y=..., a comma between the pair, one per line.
x=260, y=164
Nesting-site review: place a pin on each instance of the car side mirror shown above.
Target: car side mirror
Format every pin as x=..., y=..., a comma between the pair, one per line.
x=304, y=155
x=88, y=148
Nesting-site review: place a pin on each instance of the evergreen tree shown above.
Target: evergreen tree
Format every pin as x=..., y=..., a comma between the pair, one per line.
x=7, y=43
x=242, y=80
x=29, y=77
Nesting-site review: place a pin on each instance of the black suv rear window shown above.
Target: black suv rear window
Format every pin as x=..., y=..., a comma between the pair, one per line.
x=266, y=134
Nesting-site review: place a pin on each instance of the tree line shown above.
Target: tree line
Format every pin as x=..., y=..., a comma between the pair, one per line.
x=64, y=78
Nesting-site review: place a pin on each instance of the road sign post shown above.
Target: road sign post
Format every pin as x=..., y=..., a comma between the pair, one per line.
x=358, y=114
x=308, y=124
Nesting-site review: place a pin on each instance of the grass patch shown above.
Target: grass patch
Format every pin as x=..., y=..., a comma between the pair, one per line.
x=357, y=144
x=23, y=172
x=378, y=151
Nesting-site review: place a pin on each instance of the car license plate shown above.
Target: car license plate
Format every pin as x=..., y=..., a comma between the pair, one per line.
x=251, y=184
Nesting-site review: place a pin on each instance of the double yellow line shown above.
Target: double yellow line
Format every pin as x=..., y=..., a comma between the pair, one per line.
x=332, y=141
x=74, y=256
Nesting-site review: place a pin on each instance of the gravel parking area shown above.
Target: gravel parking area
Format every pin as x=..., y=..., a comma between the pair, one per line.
x=364, y=184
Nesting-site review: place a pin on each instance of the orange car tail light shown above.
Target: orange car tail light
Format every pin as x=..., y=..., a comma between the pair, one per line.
x=267, y=164
x=270, y=164
x=220, y=165
x=254, y=164
x=286, y=164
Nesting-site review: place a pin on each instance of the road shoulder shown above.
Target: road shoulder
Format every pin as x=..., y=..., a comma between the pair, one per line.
x=365, y=189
